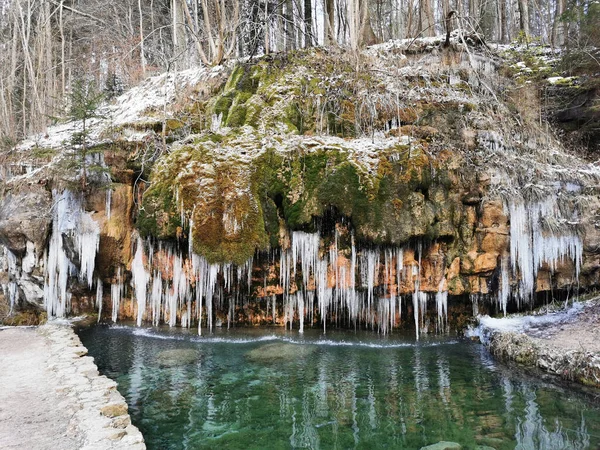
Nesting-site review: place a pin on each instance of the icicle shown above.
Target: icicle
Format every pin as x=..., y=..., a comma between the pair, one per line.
x=371, y=271
x=11, y=289
x=58, y=266
x=399, y=269
x=156, y=297
x=99, y=294
x=88, y=241
x=531, y=246
x=29, y=261
x=116, y=292
x=13, y=295
x=108, y=205
x=441, y=300
x=521, y=253
x=305, y=250
x=419, y=298
x=504, y=290
x=139, y=279
x=68, y=219
x=206, y=283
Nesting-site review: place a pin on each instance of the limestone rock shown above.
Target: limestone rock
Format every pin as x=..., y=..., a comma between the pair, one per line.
x=485, y=263
x=114, y=409
x=25, y=216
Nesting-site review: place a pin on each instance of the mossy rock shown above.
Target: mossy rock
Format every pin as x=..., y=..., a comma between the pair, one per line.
x=159, y=216
x=177, y=357
x=280, y=352
x=237, y=116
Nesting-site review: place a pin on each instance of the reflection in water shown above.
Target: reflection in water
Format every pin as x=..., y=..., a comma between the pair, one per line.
x=303, y=395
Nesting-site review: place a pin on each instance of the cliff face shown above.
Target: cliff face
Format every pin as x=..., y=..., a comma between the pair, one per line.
x=307, y=188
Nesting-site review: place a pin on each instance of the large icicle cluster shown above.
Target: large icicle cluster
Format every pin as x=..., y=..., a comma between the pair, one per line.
x=168, y=283
x=351, y=292
x=70, y=225
x=346, y=287
x=534, y=245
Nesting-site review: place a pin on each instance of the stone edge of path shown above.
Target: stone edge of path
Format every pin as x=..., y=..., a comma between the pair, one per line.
x=101, y=412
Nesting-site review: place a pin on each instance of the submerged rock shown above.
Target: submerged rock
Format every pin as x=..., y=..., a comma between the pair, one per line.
x=177, y=357
x=279, y=351
x=443, y=445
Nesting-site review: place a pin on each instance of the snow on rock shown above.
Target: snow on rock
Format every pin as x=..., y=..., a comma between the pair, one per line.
x=144, y=103
x=522, y=323
x=560, y=80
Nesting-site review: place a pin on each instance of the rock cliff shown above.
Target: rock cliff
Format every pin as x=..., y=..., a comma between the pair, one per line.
x=315, y=187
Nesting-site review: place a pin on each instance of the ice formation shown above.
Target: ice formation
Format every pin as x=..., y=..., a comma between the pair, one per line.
x=139, y=279
x=351, y=287
x=533, y=245
x=108, y=205
x=9, y=264
x=99, y=295
x=71, y=226
x=116, y=293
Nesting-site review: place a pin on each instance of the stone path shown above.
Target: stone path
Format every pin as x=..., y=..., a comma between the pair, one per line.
x=52, y=397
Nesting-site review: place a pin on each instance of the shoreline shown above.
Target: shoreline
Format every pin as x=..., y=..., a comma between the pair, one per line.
x=50, y=384
x=565, y=343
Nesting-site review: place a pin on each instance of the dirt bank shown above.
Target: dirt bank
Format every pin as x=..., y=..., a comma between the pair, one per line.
x=565, y=343
x=52, y=396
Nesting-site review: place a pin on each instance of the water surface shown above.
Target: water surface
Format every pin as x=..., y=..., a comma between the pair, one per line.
x=270, y=389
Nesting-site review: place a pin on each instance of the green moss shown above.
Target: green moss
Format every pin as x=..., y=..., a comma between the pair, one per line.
x=240, y=87
x=240, y=206
x=158, y=215
x=254, y=108
x=222, y=105
x=236, y=116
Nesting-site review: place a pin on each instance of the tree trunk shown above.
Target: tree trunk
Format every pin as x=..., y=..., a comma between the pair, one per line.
x=474, y=14
x=524, y=19
x=426, y=23
x=142, y=54
x=503, y=22
x=289, y=25
x=329, y=21
x=368, y=36
x=280, y=28
x=178, y=30
x=308, y=35
x=410, y=19
x=558, y=34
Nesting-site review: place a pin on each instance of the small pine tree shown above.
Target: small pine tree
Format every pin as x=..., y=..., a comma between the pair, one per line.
x=113, y=86
x=85, y=100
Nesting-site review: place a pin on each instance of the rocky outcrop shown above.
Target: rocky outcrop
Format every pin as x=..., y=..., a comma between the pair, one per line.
x=25, y=218
x=310, y=183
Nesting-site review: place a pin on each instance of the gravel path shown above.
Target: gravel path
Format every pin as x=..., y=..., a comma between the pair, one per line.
x=52, y=397
x=29, y=414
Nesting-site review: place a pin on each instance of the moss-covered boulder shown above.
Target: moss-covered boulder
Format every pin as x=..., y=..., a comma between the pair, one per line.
x=231, y=193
